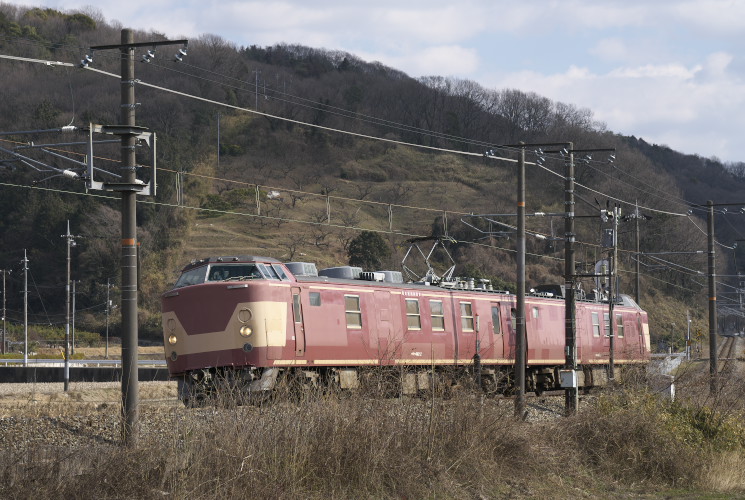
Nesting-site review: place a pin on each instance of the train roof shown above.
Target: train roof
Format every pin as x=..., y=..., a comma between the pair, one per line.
x=376, y=279
x=229, y=258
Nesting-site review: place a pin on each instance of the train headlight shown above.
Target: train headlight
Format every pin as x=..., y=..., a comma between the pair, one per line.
x=245, y=331
x=172, y=339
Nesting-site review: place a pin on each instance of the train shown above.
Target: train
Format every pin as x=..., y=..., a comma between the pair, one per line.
x=250, y=322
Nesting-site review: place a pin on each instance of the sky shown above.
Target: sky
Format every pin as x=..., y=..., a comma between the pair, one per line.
x=669, y=71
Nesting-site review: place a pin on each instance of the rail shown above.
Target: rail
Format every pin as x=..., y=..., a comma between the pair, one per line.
x=78, y=363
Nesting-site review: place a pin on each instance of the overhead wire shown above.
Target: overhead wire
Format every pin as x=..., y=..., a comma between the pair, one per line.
x=605, y=195
x=363, y=136
x=297, y=122
x=706, y=233
x=666, y=197
x=201, y=209
x=335, y=110
x=366, y=136
x=373, y=120
x=351, y=114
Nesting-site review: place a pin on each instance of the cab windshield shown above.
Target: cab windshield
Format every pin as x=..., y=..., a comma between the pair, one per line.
x=219, y=272
x=191, y=277
x=233, y=272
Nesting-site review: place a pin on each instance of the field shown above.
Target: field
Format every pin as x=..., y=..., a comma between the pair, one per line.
x=114, y=350
x=624, y=443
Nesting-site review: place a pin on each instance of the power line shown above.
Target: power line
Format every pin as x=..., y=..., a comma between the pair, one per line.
x=297, y=122
x=605, y=195
x=360, y=135
x=341, y=112
x=354, y=134
x=334, y=110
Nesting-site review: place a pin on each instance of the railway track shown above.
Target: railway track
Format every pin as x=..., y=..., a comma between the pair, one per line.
x=728, y=352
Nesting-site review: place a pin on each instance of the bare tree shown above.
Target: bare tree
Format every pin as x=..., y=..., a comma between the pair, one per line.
x=328, y=186
x=292, y=244
x=363, y=189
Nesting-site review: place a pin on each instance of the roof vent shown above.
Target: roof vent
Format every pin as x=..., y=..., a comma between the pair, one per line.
x=341, y=272
x=392, y=276
x=302, y=268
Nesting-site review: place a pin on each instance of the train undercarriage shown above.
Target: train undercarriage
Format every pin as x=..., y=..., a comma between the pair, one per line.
x=249, y=385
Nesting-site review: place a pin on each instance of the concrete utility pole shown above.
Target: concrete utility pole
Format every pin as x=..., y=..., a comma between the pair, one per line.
x=688, y=335
x=638, y=257
x=72, y=353
x=25, y=308
x=130, y=383
x=108, y=309
x=571, y=394
x=520, y=313
x=4, y=271
x=713, y=370
x=570, y=275
x=612, y=292
x=129, y=186
x=70, y=239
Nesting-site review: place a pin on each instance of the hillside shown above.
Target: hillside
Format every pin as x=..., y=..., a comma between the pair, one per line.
x=292, y=150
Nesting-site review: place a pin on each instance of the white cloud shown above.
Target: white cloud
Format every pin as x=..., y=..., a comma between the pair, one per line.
x=712, y=15
x=610, y=49
x=652, y=71
x=716, y=67
x=665, y=104
x=433, y=25
x=670, y=71
x=446, y=60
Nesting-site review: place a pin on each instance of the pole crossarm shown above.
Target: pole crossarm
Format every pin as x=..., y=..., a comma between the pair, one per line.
x=135, y=45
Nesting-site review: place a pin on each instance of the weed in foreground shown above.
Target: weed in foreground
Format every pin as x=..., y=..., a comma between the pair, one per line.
x=319, y=445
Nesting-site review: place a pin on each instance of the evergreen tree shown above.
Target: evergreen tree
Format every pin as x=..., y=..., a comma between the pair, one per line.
x=368, y=251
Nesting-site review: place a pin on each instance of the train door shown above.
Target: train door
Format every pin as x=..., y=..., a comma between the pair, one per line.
x=510, y=346
x=297, y=316
x=381, y=331
x=496, y=331
x=640, y=332
x=620, y=337
x=606, y=329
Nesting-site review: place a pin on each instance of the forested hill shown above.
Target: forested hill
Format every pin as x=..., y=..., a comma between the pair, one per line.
x=289, y=151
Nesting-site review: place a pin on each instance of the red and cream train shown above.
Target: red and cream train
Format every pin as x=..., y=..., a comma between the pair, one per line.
x=250, y=320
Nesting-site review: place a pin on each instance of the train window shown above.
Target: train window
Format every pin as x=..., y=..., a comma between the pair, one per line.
x=280, y=272
x=268, y=271
x=192, y=277
x=438, y=315
x=466, y=316
x=535, y=312
x=233, y=272
x=296, y=309
x=595, y=325
x=495, y=319
x=315, y=298
x=353, y=311
x=606, y=320
x=619, y=325
x=513, y=319
x=413, y=320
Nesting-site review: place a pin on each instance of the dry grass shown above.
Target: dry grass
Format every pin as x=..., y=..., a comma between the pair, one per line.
x=307, y=443
x=315, y=445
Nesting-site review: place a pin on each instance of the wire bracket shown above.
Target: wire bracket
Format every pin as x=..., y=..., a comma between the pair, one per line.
x=143, y=136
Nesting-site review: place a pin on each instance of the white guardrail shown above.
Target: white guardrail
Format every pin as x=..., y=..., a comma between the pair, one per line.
x=82, y=363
